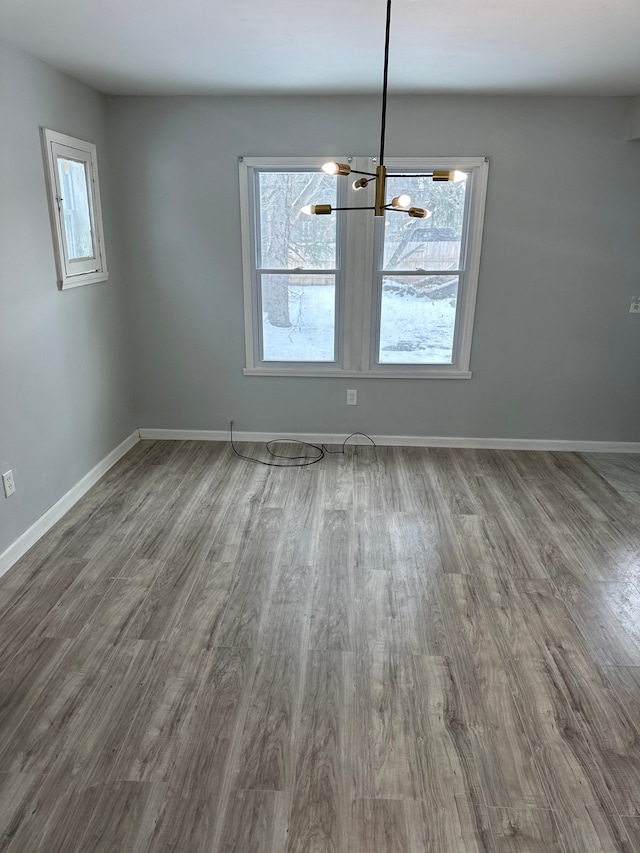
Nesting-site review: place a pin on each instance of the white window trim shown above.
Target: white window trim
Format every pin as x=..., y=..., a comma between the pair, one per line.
x=250, y=275
x=87, y=272
x=359, y=261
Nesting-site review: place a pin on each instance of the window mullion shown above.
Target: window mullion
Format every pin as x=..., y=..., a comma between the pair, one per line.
x=368, y=276
x=359, y=271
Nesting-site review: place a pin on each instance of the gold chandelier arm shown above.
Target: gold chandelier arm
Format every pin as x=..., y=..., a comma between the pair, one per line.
x=453, y=175
x=326, y=209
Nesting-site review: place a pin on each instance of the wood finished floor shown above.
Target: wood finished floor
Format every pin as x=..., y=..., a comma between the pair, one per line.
x=394, y=651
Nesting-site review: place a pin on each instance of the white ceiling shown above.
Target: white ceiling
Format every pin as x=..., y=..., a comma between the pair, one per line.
x=331, y=46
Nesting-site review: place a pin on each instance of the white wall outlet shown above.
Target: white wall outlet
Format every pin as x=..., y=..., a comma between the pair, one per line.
x=352, y=398
x=635, y=305
x=9, y=484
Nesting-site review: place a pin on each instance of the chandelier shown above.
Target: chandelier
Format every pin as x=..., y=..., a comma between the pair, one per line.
x=401, y=203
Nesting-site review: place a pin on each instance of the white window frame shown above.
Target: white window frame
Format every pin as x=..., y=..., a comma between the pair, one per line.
x=360, y=236
x=249, y=166
x=74, y=272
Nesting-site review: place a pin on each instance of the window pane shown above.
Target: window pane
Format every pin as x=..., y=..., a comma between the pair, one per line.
x=290, y=239
x=298, y=317
x=75, y=208
x=425, y=244
x=417, y=319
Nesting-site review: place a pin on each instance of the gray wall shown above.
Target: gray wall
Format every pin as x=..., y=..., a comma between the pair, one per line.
x=555, y=351
x=65, y=391
x=634, y=119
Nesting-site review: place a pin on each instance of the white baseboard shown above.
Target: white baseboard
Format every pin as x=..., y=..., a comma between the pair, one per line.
x=55, y=513
x=401, y=440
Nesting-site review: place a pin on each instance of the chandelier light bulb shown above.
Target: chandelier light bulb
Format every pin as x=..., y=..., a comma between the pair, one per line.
x=360, y=183
x=336, y=168
x=454, y=176
x=419, y=213
x=316, y=209
x=403, y=200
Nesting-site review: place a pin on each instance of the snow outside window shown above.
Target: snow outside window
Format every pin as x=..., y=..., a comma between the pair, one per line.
x=352, y=294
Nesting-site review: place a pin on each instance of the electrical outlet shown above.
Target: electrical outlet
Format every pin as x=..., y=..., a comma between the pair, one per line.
x=352, y=398
x=9, y=484
x=635, y=305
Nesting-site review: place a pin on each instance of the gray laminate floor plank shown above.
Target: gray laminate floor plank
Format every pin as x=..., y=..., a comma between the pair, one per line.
x=44, y=731
x=192, y=809
x=250, y=823
x=320, y=811
x=96, y=736
x=165, y=715
x=604, y=614
x=265, y=761
x=285, y=624
x=609, y=732
x=29, y=608
x=625, y=681
x=202, y=761
x=332, y=606
x=249, y=595
x=25, y=675
x=586, y=814
x=525, y=830
x=458, y=826
x=632, y=827
x=123, y=817
x=387, y=749
x=379, y=825
x=49, y=817
x=302, y=522
x=398, y=649
x=410, y=738
x=620, y=469
x=205, y=606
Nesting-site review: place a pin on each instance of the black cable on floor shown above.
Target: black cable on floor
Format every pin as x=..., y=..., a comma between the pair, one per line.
x=344, y=443
x=296, y=461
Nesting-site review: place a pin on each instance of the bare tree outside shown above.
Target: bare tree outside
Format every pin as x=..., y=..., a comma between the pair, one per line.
x=433, y=243
x=288, y=238
x=417, y=311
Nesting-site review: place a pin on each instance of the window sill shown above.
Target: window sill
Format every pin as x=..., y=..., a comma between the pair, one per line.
x=80, y=280
x=452, y=373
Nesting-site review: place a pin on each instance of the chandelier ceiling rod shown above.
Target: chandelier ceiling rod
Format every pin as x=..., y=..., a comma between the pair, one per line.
x=385, y=83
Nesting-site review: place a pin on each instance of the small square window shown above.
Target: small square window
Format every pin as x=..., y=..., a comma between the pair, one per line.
x=74, y=204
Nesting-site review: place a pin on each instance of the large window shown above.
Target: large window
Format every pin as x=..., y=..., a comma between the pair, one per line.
x=354, y=294
x=74, y=204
